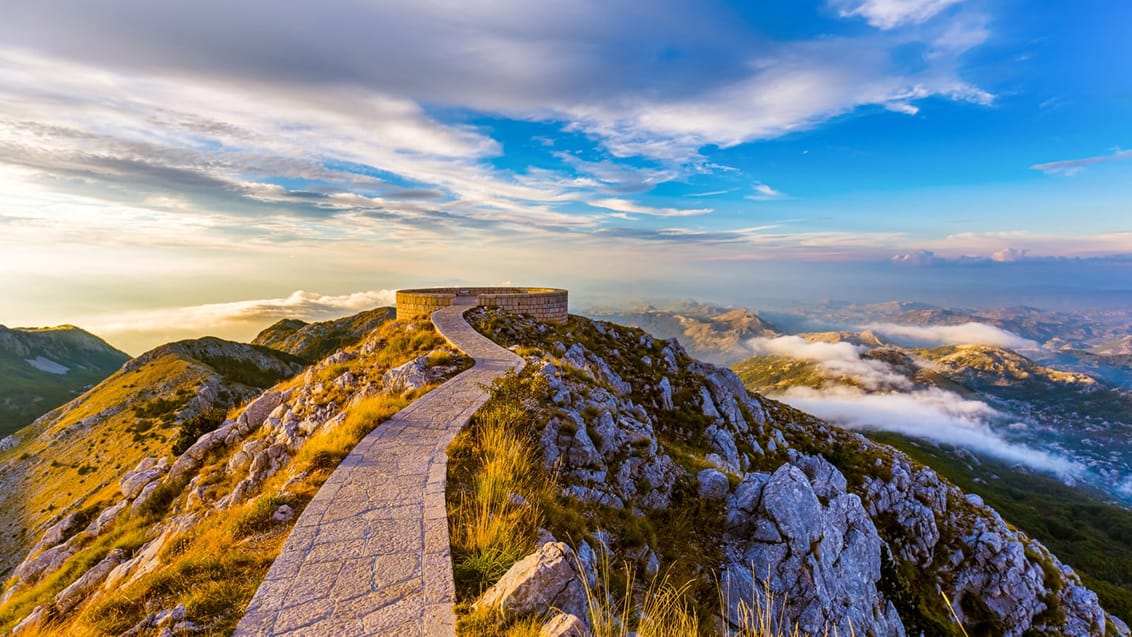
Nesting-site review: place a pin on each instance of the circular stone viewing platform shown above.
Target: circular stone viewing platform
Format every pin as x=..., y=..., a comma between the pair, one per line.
x=545, y=304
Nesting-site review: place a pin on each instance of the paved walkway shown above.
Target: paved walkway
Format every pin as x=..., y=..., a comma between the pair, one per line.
x=370, y=553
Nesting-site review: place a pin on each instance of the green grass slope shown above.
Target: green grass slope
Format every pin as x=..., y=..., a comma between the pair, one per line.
x=29, y=390
x=71, y=459
x=313, y=341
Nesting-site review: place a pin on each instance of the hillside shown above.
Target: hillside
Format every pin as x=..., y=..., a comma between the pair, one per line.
x=174, y=481
x=42, y=368
x=667, y=465
x=71, y=458
x=626, y=447
x=314, y=341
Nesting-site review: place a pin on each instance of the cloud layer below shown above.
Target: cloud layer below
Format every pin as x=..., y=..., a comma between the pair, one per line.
x=965, y=334
x=884, y=399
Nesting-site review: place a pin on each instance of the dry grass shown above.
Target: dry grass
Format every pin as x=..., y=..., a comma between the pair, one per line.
x=498, y=491
x=329, y=446
x=663, y=609
x=216, y=567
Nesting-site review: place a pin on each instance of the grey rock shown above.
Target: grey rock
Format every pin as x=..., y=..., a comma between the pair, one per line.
x=665, y=388
x=147, y=471
x=88, y=582
x=713, y=484
x=407, y=377
x=564, y=625
x=47, y=562
x=541, y=581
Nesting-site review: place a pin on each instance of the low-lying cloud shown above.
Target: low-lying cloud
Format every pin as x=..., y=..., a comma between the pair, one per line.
x=141, y=329
x=966, y=334
x=884, y=399
x=931, y=414
x=834, y=359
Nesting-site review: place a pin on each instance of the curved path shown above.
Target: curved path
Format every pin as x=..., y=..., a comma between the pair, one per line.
x=370, y=553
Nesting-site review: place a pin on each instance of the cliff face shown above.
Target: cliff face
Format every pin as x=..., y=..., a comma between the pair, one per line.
x=845, y=533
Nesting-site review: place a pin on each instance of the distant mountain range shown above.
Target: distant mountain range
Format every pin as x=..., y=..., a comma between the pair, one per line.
x=709, y=332
x=44, y=367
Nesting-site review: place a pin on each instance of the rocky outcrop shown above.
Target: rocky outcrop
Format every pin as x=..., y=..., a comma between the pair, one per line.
x=865, y=546
x=815, y=550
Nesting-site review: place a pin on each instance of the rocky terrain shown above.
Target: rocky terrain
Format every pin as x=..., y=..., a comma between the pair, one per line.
x=42, y=368
x=154, y=504
x=663, y=458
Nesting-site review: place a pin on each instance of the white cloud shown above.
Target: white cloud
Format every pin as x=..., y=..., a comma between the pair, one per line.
x=626, y=206
x=237, y=319
x=931, y=414
x=834, y=359
x=789, y=88
x=1008, y=255
x=889, y=14
x=965, y=334
x=763, y=192
x=917, y=257
x=1070, y=167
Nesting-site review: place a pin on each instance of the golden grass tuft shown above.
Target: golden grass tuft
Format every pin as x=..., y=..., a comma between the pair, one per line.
x=499, y=490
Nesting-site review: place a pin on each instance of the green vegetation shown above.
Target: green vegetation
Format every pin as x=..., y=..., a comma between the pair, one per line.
x=1092, y=536
x=27, y=392
x=314, y=341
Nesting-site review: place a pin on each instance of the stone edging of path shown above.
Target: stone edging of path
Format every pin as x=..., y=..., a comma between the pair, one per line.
x=370, y=554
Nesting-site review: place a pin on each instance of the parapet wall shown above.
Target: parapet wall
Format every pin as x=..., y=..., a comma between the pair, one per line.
x=545, y=304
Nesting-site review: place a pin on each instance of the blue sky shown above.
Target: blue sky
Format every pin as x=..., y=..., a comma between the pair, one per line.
x=159, y=159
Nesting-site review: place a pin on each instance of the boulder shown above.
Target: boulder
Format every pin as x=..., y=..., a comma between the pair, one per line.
x=409, y=376
x=544, y=580
x=147, y=471
x=564, y=625
x=713, y=484
x=78, y=591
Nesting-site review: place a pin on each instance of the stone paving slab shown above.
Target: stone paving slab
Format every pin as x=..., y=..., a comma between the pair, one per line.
x=370, y=553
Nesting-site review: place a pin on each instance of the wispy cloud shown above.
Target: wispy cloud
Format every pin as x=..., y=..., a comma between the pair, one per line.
x=889, y=14
x=630, y=207
x=763, y=192
x=1069, y=167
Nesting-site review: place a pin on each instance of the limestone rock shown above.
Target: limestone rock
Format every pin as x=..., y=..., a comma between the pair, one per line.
x=564, y=625
x=283, y=513
x=541, y=581
x=58, y=532
x=714, y=484
x=74, y=594
x=409, y=376
x=147, y=471
x=47, y=562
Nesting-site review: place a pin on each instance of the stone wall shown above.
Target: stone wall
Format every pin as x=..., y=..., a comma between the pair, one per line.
x=545, y=304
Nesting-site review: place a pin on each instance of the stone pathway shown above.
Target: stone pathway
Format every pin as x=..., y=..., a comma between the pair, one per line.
x=370, y=553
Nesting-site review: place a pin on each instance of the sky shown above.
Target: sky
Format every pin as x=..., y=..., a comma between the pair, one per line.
x=173, y=168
